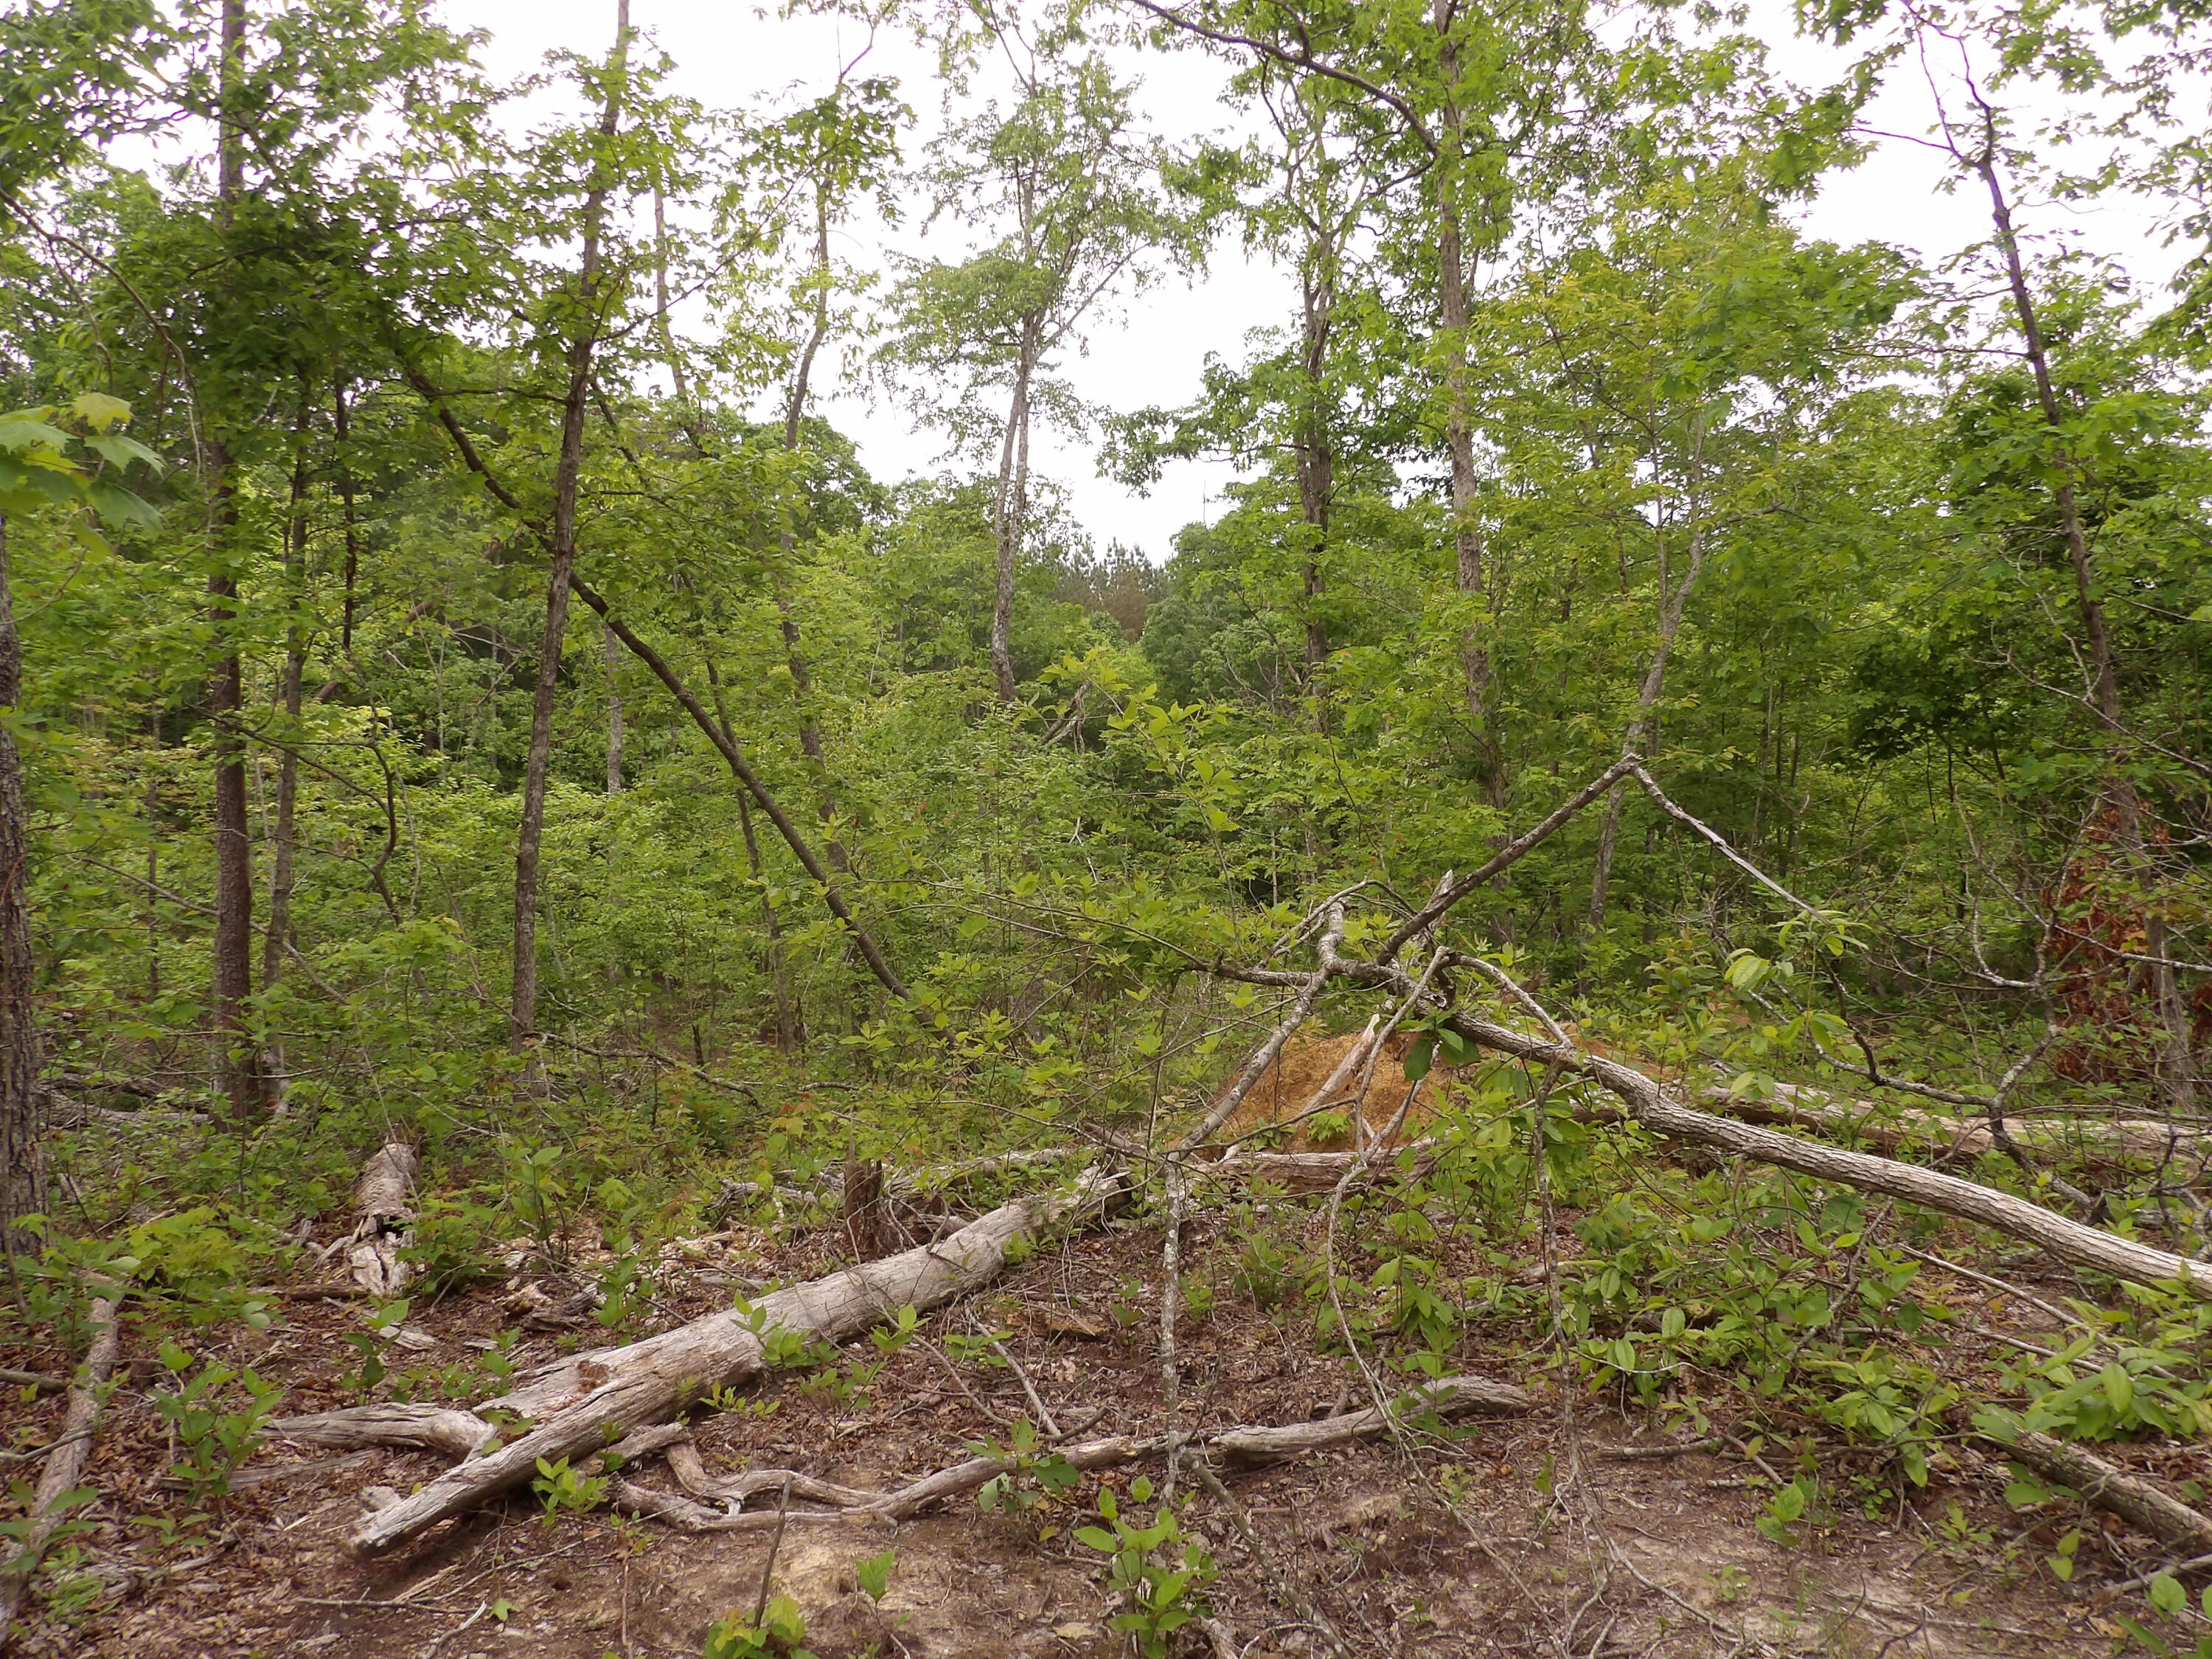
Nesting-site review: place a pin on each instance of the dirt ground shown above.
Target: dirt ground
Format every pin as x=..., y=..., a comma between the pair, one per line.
x=1529, y=1533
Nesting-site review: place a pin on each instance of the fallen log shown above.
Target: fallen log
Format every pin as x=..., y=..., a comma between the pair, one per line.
x=1653, y=1106
x=1450, y=1396
x=942, y=1177
x=1249, y=1445
x=66, y=1463
x=577, y=1402
x=2121, y=1144
x=2137, y=1501
x=385, y=1197
x=1309, y=1172
x=447, y=1429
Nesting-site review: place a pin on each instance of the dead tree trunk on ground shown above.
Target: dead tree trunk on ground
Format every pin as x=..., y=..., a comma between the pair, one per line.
x=575, y=1401
x=65, y=1462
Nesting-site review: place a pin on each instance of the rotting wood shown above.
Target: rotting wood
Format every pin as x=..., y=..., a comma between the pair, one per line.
x=385, y=1197
x=1655, y=1107
x=2120, y=1144
x=1452, y=1395
x=446, y=1429
x=1248, y=1444
x=2133, y=1498
x=66, y=1464
x=64, y=1111
x=578, y=1401
x=867, y=1221
x=1314, y=1172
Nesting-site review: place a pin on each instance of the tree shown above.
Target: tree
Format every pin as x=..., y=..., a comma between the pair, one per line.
x=1070, y=188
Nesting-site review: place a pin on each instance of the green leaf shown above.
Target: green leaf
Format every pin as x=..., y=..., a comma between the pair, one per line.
x=1420, y=1057
x=2119, y=1386
x=22, y=434
x=2166, y=1593
x=119, y=451
x=874, y=1574
x=100, y=411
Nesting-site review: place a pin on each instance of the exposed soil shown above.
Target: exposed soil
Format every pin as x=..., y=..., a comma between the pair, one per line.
x=1522, y=1535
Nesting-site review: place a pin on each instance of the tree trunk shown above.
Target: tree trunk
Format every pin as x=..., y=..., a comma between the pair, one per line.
x=1671, y=606
x=279, y=931
x=522, y=1017
x=340, y=432
x=22, y=1168
x=1012, y=512
x=790, y=1029
x=2177, y=1059
x=225, y=691
x=1459, y=424
x=612, y=648
x=1316, y=455
x=572, y=1399
x=732, y=757
x=795, y=416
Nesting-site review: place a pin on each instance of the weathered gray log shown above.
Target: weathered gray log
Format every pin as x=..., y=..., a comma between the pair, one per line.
x=2134, y=1499
x=446, y=1429
x=1304, y=1172
x=65, y=1466
x=2118, y=1143
x=385, y=1197
x=1654, y=1107
x=941, y=1177
x=578, y=1401
x=1448, y=1397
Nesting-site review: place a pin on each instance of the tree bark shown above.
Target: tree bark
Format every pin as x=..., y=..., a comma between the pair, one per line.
x=225, y=691
x=384, y=1198
x=613, y=652
x=561, y=542
x=72, y=1451
x=2152, y=1511
x=794, y=417
x=1651, y=1105
x=279, y=931
x=1316, y=452
x=790, y=1022
x=1010, y=520
x=1459, y=419
x=2177, y=1061
x=1671, y=606
x=22, y=1164
x=1248, y=1445
x=341, y=432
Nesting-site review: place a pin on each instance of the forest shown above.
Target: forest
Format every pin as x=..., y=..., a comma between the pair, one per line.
x=1578, y=1025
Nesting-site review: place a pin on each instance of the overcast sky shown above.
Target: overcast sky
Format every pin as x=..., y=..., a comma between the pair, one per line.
x=732, y=55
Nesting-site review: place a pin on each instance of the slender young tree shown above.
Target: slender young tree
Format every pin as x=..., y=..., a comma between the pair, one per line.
x=1071, y=188
x=587, y=310
x=23, y=1160
x=826, y=158
x=244, y=1084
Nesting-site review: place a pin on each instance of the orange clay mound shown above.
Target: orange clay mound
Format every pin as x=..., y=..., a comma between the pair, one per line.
x=1288, y=1086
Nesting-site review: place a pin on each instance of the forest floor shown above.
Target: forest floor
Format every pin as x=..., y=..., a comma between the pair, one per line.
x=1527, y=1533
